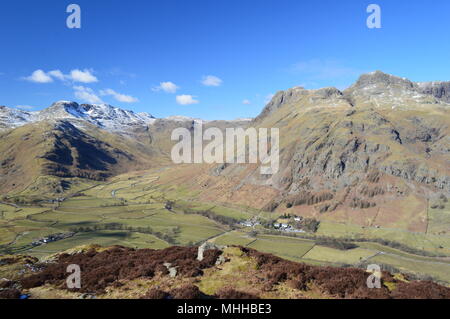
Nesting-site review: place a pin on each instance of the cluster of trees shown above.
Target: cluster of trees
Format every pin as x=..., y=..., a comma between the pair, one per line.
x=372, y=192
x=5, y=250
x=169, y=205
x=361, y=203
x=440, y=203
x=271, y=206
x=253, y=234
x=328, y=207
x=336, y=243
x=20, y=200
x=267, y=223
x=308, y=224
x=123, y=202
x=308, y=199
x=374, y=176
x=224, y=220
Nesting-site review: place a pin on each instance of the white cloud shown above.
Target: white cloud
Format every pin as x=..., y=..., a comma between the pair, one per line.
x=118, y=96
x=168, y=87
x=57, y=74
x=39, y=76
x=84, y=76
x=186, y=99
x=211, y=80
x=246, y=102
x=87, y=94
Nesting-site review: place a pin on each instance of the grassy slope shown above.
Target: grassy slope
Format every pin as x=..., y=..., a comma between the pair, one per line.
x=20, y=226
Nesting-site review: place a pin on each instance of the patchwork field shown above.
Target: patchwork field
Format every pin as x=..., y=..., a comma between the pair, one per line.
x=136, y=210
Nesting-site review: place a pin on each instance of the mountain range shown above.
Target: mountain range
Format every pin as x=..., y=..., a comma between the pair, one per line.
x=377, y=150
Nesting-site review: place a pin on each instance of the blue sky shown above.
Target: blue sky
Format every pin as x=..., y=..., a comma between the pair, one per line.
x=251, y=49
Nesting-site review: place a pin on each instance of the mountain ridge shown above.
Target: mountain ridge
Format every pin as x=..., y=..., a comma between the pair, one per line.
x=102, y=115
x=377, y=146
x=374, y=87
x=368, y=165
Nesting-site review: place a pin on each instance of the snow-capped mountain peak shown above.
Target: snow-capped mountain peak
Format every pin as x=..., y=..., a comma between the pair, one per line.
x=10, y=117
x=104, y=113
x=101, y=115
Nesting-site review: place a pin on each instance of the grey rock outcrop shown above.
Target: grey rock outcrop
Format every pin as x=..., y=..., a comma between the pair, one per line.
x=204, y=247
x=172, y=270
x=440, y=90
